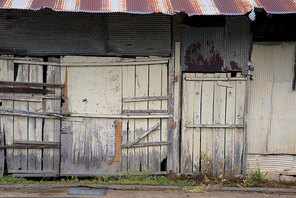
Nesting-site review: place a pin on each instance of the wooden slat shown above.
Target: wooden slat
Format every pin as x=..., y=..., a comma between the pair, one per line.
x=143, y=111
x=149, y=98
x=33, y=98
x=32, y=172
x=143, y=135
x=6, y=122
x=154, y=90
x=229, y=136
x=141, y=85
x=36, y=142
x=196, y=121
x=216, y=79
x=25, y=90
x=97, y=64
x=147, y=144
x=207, y=117
x=35, y=123
x=239, y=120
x=218, y=133
x=184, y=138
x=142, y=116
x=36, y=62
x=128, y=125
x=24, y=147
x=32, y=84
x=213, y=126
x=21, y=123
x=164, y=106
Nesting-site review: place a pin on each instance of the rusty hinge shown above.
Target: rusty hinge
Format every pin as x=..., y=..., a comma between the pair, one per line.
x=174, y=79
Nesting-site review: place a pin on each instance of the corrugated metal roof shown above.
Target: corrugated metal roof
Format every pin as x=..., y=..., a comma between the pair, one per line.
x=191, y=7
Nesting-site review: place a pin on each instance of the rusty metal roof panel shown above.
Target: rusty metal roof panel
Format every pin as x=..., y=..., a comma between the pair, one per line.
x=170, y=7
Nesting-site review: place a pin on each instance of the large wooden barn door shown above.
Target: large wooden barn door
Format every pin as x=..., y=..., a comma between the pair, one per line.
x=30, y=100
x=212, y=122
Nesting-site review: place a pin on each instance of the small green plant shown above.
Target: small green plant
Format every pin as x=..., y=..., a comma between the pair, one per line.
x=255, y=178
x=198, y=189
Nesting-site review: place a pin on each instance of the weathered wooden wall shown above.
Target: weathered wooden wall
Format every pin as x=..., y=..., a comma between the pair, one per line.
x=113, y=102
x=272, y=119
x=213, y=122
x=27, y=122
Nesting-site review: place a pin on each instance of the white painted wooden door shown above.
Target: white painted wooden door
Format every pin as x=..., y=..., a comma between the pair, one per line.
x=212, y=122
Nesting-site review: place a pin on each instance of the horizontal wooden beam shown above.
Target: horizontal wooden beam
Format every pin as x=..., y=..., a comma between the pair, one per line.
x=143, y=111
x=143, y=135
x=95, y=174
x=31, y=84
x=149, y=98
x=213, y=126
x=215, y=79
x=96, y=64
x=36, y=62
x=120, y=116
x=36, y=142
x=36, y=175
x=27, y=115
x=25, y=90
x=28, y=146
x=29, y=98
x=146, y=144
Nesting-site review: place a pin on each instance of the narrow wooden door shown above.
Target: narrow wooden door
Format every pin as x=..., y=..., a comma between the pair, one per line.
x=212, y=134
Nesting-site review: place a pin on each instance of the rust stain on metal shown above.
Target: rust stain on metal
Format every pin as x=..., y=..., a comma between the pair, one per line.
x=234, y=65
x=195, y=59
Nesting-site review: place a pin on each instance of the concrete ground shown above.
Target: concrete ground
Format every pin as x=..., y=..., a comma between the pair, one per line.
x=137, y=191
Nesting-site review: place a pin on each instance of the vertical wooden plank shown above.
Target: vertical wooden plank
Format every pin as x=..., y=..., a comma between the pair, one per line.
x=184, y=122
x=124, y=155
x=219, y=119
x=154, y=90
x=21, y=123
x=6, y=122
x=174, y=136
x=239, y=120
x=141, y=124
x=49, y=124
x=207, y=117
x=188, y=136
x=164, y=122
x=128, y=90
x=35, y=124
x=57, y=121
x=196, y=121
x=229, y=136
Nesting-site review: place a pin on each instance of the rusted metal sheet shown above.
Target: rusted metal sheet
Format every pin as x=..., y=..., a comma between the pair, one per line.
x=272, y=121
x=202, y=50
x=216, y=49
x=203, y=7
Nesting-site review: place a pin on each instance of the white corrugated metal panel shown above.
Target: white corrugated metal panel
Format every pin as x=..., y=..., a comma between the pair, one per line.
x=272, y=118
x=48, y=32
x=270, y=162
x=283, y=114
x=139, y=34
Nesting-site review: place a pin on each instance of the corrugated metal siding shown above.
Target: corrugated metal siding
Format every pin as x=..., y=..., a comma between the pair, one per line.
x=48, y=32
x=139, y=34
x=270, y=162
x=272, y=118
x=216, y=49
x=238, y=43
x=202, y=49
